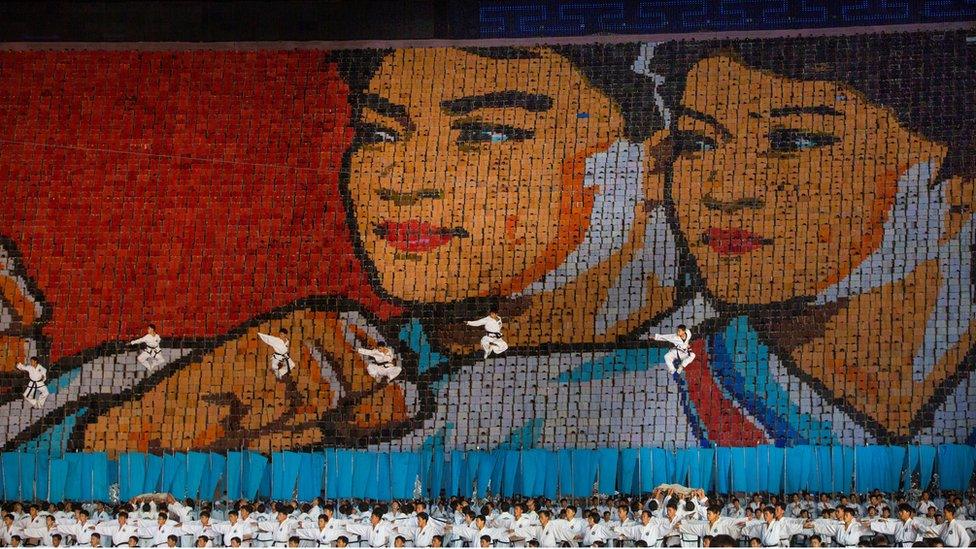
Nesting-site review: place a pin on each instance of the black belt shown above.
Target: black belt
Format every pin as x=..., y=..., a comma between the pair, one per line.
x=33, y=387
x=153, y=351
x=495, y=334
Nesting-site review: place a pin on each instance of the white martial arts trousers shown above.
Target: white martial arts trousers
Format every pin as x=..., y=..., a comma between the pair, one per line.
x=493, y=344
x=151, y=358
x=674, y=355
x=36, y=393
x=279, y=358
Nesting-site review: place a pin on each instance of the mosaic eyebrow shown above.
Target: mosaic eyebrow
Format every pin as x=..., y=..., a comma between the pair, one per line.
x=534, y=102
x=823, y=110
x=707, y=118
x=388, y=108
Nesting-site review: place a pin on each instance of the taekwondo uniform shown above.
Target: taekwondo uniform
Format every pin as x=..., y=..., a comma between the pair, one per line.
x=597, y=532
x=280, y=355
x=422, y=537
x=577, y=525
x=280, y=531
x=152, y=356
x=82, y=532
x=381, y=364
x=99, y=517
x=44, y=534
x=681, y=352
x=554, y=533
x=523, y=526
x=159, y=532
x=26, y=522
x=503, y=520
x=323, y=536
x=181, y=511
x=723, y=526
x=492, y=342
x=846, y=535
x=36, y=392
x=198, y=528
x=776, y=533
x=374, y=536
x=118, y=533
x=732, y=511
x=230, y=531
x=906, y=532
x=652, y=533
x=472, y=535
x=953, y=534
x=923, y=506
x=7, y=532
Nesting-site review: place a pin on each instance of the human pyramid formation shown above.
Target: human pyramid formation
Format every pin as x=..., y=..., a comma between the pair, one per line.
x=671, y=516
x=382, y=362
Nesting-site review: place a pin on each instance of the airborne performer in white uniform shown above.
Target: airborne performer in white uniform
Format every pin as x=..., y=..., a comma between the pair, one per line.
x=382, y=363
x=492, y=342
x=36, y=392
x=150, y=357
x=681, y=352
x=281, y=362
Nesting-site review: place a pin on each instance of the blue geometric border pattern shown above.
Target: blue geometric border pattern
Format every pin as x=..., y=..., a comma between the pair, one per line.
x=539, y=18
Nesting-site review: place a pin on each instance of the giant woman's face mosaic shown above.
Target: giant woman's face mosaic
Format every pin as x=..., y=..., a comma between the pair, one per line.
x=782, y=186
x=469, y=179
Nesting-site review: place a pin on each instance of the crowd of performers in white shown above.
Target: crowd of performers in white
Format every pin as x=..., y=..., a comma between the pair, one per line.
x=381, y=363
x=673, y=516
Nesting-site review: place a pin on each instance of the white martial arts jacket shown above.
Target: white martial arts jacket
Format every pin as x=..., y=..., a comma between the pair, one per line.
x=953, y=534
x=279, y=345
x=597, y=532
x=554, y=532
x=846, y=535
x=652, y=533
x=280, y=531
x=230, y=531
x=119, y=534
x=422, y=537
x=775, y=533
x=683, y=345
x=151, y=341
x=723, y=526
x=6, y=532
x=46, y=535
x=160, y=533
x=375, y=536
x=906, y=532
x=503, y=520
x=81, y=532
x=324, y=536
x=26, y=522
x=197, y=528
x=522, y=526
x=732, y=512
x=491, y=325
x=577, y=525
